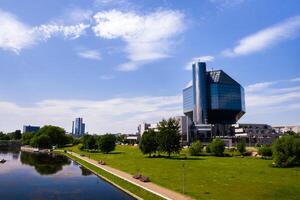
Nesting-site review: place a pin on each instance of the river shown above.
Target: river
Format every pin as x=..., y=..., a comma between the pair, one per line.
x=49, y=176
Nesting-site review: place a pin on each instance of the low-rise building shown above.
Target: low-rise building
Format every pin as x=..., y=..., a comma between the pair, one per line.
x=29, y=128
x=284, y=129
x=255, y=133
x=144, y=127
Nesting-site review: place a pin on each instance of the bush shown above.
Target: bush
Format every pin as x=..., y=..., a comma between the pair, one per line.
x=241, y=146
x=207, y=149
x=106, y=143
x=217, y=147
x=148, y=143
x=196, y=148
x=265, y=151
x=286, y=151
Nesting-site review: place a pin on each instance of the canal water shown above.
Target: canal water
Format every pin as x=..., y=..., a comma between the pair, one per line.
x=39, y=176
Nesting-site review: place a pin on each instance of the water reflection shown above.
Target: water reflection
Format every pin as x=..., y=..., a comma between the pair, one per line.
x=44, y=164
x=57, y=179
x=85, y=172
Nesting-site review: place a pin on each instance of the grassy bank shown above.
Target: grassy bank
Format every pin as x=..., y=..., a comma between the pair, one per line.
x=116, y=180
x=208, y=177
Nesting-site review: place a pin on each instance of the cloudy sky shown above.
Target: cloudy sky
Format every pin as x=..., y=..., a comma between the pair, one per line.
x=117, y=63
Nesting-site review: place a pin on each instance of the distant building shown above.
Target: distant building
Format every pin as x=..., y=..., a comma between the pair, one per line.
x=29, y=128
x=283, y=129
x=144, y=127
x=255, y=133
x=213, y=102
x=78, y=127
x=185, y=129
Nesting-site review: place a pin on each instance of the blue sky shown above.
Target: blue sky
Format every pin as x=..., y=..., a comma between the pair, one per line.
x=118, y=63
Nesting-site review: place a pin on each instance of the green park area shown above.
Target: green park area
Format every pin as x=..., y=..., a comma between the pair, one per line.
x=207, y=177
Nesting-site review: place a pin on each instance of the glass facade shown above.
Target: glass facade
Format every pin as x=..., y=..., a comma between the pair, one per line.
x=226, y=97
x=188, y=99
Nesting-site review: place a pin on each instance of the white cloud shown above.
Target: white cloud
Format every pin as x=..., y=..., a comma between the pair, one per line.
x=112, y=115
x=266, y=38
x=47, y=31
x=259, y=86
x=14, y=35
x=274, y=102
x=107, y=77
x=147, y=37
x=295, y=79
x=201, y=58
x=90, y=54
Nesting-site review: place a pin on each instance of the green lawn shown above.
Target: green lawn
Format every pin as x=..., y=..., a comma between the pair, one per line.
x=120, y=182
x=209, y=177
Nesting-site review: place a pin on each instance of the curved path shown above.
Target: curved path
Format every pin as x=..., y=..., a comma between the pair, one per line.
x=149, y=186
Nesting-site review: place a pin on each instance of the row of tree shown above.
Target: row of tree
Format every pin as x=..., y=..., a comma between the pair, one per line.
x=165, y=139
x=16, y=135
x=47, y=137
x=105, y=143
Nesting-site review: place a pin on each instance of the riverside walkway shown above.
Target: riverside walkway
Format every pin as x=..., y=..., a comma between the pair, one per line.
x=149, y=186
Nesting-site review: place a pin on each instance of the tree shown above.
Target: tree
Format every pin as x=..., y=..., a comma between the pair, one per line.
x=265, y=151
x=16, y=135
x=56, y=134
x=196, y=148
x=41, y=141
x=121, y=139
x=106, y=143
x=4, y=136
x=88, y=142
x=286, y=151
x=168, y=136
x=217, y=147
x=26, y=137
x=241, y=146
x=148, y=143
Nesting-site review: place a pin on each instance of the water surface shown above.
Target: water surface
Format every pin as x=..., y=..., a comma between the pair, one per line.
x=49, y=176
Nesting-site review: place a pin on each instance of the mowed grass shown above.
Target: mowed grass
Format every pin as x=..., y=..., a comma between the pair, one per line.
x=116, y=180
x=208, y=177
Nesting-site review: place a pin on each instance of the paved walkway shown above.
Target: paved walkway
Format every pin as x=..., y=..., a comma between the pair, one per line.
x=149, y=186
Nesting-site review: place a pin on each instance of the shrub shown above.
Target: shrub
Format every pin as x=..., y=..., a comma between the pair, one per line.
x=207, y=149
x=286, y=151
x=196, y=148
x=148, y=143
x=265, y=151
x=241, y=146
x=106, y=143
x=217, y=147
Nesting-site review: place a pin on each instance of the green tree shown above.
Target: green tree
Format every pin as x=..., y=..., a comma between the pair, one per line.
x=196, y=148
x=148, y=143
x=56, y=135
x=88, y=142
x=217, y=147
x=106, y=143
x=4, y=136
x=41, y=141
x=26, y=137
x=168, y=136
x=265, y=151
x=286, y=151
x=241, y=146
x=16, y=135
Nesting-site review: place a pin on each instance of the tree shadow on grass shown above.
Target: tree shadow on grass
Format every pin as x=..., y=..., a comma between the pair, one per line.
x=176, y=157
x=117, y=152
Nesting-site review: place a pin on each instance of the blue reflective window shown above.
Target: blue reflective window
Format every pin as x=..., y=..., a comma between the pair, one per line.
x=188, y=99
x=226, y=96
